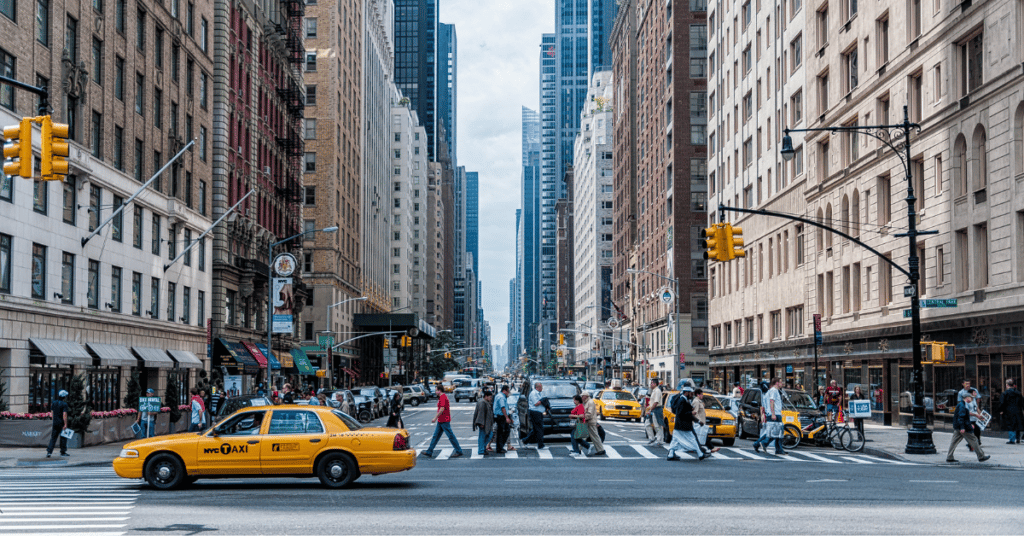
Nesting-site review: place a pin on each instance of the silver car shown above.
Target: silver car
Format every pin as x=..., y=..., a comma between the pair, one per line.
x=470, y=389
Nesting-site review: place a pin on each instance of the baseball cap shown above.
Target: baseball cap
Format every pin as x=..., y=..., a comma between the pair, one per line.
x=150, y=391
x=687, y=389
x=62, y=393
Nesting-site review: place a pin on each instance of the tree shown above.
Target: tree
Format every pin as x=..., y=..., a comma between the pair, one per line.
x=172, y=397
x=3, y=391
x=132, y=392
x=79, y=412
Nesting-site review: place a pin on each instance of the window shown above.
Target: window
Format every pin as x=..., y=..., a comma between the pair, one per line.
x=851, y=146
x=310, y=27
x=38, y=271
x=823, y=156
x=310, y=95
x=795, y=321
x=980, y=257
x=172, y=302
x=822, y=25
x=202, y=254
x=70, y=202
x=201, y=307
x=95, y=198
x=172, y=241
x=137, y=227
x=961, y=269
x=6, y=187
x=67, y=279
x=40, y=196
x=71, y=39
x=119, y=78
x=913, y=19
x=140, y=94
x=155, y=237
x=796, y=52
x=115, y=290
x=971, y=60
x=823, y=93
x=140, y=30
x=310, y=195
x=960, y=165
x=698, y=50
x=42, y=21
x=776, y=324
x=882, y=39
x=202, y=143
x=97, y=61
x=850, y=6
x=850, y=67
x=310, y=62
x=979, y=161
x=186, y=242
x=799, y=244
x=136, y=294
x=119, y=13
x=310, y=159
x=175, y=61
x=310, y=128
x=204, y=36
x=154, y=298
x=940, y=265
x=798, y=161
x=9, y=8
x=914, y=96
x=158, y=48
x=698, y=117
x=7, y=63
x=5, y=264
x=92, y=292
x=203, y=89
x=885, y=281
x=186, y=305
x=190, y=23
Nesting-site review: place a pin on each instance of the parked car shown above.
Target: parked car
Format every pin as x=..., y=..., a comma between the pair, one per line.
x=364, y=408
x=380, y=406
x=414, y=395
x=797, y=408
x=470, y=390
x=730, y=403
x=236, y=403
x=559, y=394
x=593, y=386
x=721, y=423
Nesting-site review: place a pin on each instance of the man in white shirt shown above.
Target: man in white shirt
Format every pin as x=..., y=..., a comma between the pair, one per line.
x=773, y=415
x=536, y=406
x=654, y=410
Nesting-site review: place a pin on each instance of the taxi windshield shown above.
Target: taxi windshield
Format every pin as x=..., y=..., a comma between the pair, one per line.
x=711, y=402
x=617, y=395
x=350, y=423
x=799, y=399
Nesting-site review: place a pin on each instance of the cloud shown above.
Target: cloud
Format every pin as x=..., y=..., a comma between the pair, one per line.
x=498, y=73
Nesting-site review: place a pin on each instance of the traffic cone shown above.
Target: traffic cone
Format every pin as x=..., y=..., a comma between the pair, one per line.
x=842, y=419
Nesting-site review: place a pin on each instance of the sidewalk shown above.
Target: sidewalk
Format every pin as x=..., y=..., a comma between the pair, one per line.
x=99, y=455
x=891, y=442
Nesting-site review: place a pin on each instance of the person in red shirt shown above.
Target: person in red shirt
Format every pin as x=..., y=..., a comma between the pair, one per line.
x=444, y=424
x=833, y=398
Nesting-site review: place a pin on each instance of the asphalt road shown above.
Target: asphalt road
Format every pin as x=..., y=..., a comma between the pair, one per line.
x=730, y=494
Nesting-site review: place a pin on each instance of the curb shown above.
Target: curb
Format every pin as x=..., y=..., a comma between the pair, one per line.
x=33, y=465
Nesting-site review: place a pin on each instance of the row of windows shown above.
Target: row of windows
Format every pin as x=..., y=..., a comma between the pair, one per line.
x=752, y=330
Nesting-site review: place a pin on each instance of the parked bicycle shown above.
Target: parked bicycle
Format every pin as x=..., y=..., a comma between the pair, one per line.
x=841, y=436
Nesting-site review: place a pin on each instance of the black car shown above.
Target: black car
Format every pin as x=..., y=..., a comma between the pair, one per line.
x=792, y=400
x=236, y=403
x=559, y=394
x=374, y=393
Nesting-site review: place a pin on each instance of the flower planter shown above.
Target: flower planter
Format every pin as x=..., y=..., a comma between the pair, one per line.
x=21, y=430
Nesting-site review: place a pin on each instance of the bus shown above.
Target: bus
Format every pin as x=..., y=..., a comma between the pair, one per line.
x=472, y=372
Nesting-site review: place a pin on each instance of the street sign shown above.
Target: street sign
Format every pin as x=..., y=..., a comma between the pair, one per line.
x=948, y=302
x=908, y=313
x=666, y=295
x=326, y=341
x=390, y=357
x=149, y=404
x=908, y=291
x=817, y=330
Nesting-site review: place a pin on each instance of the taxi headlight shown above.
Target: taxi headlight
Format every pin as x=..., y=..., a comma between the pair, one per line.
x=728, y=421
x=129, y=453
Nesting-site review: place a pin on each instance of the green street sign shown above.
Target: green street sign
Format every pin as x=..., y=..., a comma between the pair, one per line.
x=907, y=313
x=326, y=341
x=949, y=302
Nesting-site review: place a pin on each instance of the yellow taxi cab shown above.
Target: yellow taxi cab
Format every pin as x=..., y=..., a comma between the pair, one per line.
x=617, y=404
x=270, y=441
x=721, y=423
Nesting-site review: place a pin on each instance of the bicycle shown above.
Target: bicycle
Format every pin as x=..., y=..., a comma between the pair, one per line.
x=824, y=431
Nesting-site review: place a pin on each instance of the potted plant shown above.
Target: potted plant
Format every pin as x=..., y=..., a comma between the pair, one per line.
x=171, y=400
x=79, y=412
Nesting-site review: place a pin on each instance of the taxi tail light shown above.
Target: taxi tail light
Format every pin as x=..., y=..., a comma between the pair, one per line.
x=401, y=443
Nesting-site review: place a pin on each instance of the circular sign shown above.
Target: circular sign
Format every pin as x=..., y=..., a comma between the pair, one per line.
x=613, y=323
x=285, y=264
x=666, y=295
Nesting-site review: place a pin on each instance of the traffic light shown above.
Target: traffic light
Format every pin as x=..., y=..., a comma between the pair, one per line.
x=482, y=353
x=561, y=338
x=18, y=147
x=447, y=355
x=734, y=245
x=938, y=352
x=712, y=239
x=321, y=374
x=54, y=150
x=387, y=342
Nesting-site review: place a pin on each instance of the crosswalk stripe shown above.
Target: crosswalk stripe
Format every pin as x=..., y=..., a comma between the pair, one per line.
x=445, y=454
x=644, y=452
x=77, y=510
x=745, y=454
x=545, y=454
x=8, y=515
x=61, y=527
x=724, y=457
x=816, y=457
x=612, y=453
x=790, y=458
x=512, y=454
x=884, y=460
x=857, y=460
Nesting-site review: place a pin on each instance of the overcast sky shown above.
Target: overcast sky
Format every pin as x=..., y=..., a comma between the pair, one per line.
x=498, y=73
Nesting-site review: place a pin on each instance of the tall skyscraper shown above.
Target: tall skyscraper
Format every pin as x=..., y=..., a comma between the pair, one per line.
x=473, y=218
x=447, y=78
x=602, y=18
x=546, y=194
x=528, y=243
x=415, y=49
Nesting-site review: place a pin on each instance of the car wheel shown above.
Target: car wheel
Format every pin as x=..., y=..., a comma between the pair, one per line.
x=603, y=416
x=165, y=471
x=415, y=402
x=337, y=470
x=729, y=442
x=364, y=416
x=456, y=400
x=742, y=433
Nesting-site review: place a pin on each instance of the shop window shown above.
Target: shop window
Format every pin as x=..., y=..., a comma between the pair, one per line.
x=45, y=381
x=104, y=388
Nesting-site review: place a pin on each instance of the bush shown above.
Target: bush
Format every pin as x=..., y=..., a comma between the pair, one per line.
x=132, y=392
x=3, y=391
x=79, y=414
x=171, y=398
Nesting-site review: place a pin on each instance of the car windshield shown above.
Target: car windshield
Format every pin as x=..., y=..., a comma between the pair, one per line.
x=350, y=423
x=710, y=402
x=560, y=390
x=368, y=392
x=617, y=395
x=799, y=399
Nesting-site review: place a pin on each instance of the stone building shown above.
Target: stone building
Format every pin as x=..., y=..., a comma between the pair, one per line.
x=80, y=294
x=408, y=210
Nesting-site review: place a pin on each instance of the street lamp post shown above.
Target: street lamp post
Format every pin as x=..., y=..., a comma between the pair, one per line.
x=270, y=280
x=678, y=345
x=919, y=436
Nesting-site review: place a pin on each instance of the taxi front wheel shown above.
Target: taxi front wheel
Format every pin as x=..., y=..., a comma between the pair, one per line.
x=165, y=471
x=336, y=470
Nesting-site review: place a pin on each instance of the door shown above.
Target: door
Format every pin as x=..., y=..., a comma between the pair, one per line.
x=293, y=439
x=233, y=447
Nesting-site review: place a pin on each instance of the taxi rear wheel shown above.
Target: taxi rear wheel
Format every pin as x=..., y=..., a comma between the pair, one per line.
x=337, y=470
x=603, y=416
x=165, y=471
x=364, y=416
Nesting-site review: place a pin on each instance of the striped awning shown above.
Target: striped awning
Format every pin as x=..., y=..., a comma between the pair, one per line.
x=154, y=357
x=57, y=352
x=113, y=355
x=186, y=359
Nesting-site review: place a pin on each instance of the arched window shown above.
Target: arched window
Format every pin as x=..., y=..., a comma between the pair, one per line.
x=844, y=223
x=979, y=160
x=959, y=167
x=855, y=215
x=819, y=236
x=828, y=223
x=1018, y=141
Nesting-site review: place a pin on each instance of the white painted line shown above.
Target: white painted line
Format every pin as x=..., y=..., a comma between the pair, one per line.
x=612, y=453
x=716, y=481
x=826, y=480
x=819, y=458
x=883, y=460
x=935, y=481
x=476, y=455
x=66, y=508
x=60, y=527
x=512, y=454
x=545, y=454
x=522, y=480
x=856, y=460
x=618, y=480
x=644, y=452
x=76, y=534
x=424, y=480
x=7, y=515
x=445, y=454
x=745, y=454
x=721, y=456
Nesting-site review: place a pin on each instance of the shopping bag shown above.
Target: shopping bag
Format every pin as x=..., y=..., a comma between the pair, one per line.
x=581, y=431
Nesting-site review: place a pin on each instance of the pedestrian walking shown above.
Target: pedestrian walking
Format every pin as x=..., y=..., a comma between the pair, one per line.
x=975, y=413
x=858, y=395
x=395, y=415
x=59, y=408
x=654, y=408
x=737, y=391
x=513, y=434
x=502, y=420
x=773, y=419
x=1010, y=405
x=683, y=438
x=700, y=426
x=146, y=421
x=833, y=399
x=198, y=417
x=535, y=404
x=483, y=422
x=443, y=420
x=321, y=399
x=593, y=428
x=580, y=431
x=216, y=401
x=962, y=430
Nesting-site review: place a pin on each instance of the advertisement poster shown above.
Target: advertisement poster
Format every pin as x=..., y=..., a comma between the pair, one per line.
x=233, y=385
x=283, y=294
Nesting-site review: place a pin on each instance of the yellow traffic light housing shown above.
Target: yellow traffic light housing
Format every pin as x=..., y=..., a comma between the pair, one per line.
x=321, y=373
x=561, y=338
x=54, y=165
x=712, y=239
x=447, y=355
x=18, y=147
x=387, y=342
x=733, y=244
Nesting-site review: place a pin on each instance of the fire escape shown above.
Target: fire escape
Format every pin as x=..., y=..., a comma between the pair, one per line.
x=291, y=94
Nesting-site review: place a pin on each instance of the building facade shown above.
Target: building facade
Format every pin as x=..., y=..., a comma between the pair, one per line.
x=408, y=210
x=958, y=79
x=416, y=54
x=447, y=83
x=88, y=284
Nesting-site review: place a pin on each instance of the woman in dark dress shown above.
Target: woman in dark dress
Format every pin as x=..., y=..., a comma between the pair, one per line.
x=395, y=418
x=1010, y=405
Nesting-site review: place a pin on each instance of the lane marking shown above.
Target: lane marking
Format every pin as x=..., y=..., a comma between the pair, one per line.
x=746, y=454
x=522, y=480
x=56, y=527
x=512, y=454
x=424, y=481
x=826, y=480
x=545, y=454
x=857, y=460
x=721, y=456
x=819, y=458
x=935, y=481
x=445, y=454
x=612, y=453
x=644, y=452
x=716, y=481
x=618, y=480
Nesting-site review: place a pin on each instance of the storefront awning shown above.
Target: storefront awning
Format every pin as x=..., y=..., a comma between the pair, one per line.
x=113, y=355
x=239, y=355
x=302, y=363
x=272, y=360
x=350, y=372
x=57, y=352
x=153, y=357
x=255, y=353
x=186, y=359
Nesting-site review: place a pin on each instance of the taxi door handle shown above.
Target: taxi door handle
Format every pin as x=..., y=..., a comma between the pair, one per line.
x=317, y=440
x=253, y=441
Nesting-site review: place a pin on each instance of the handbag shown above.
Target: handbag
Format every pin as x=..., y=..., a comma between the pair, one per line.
x=581, y=431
